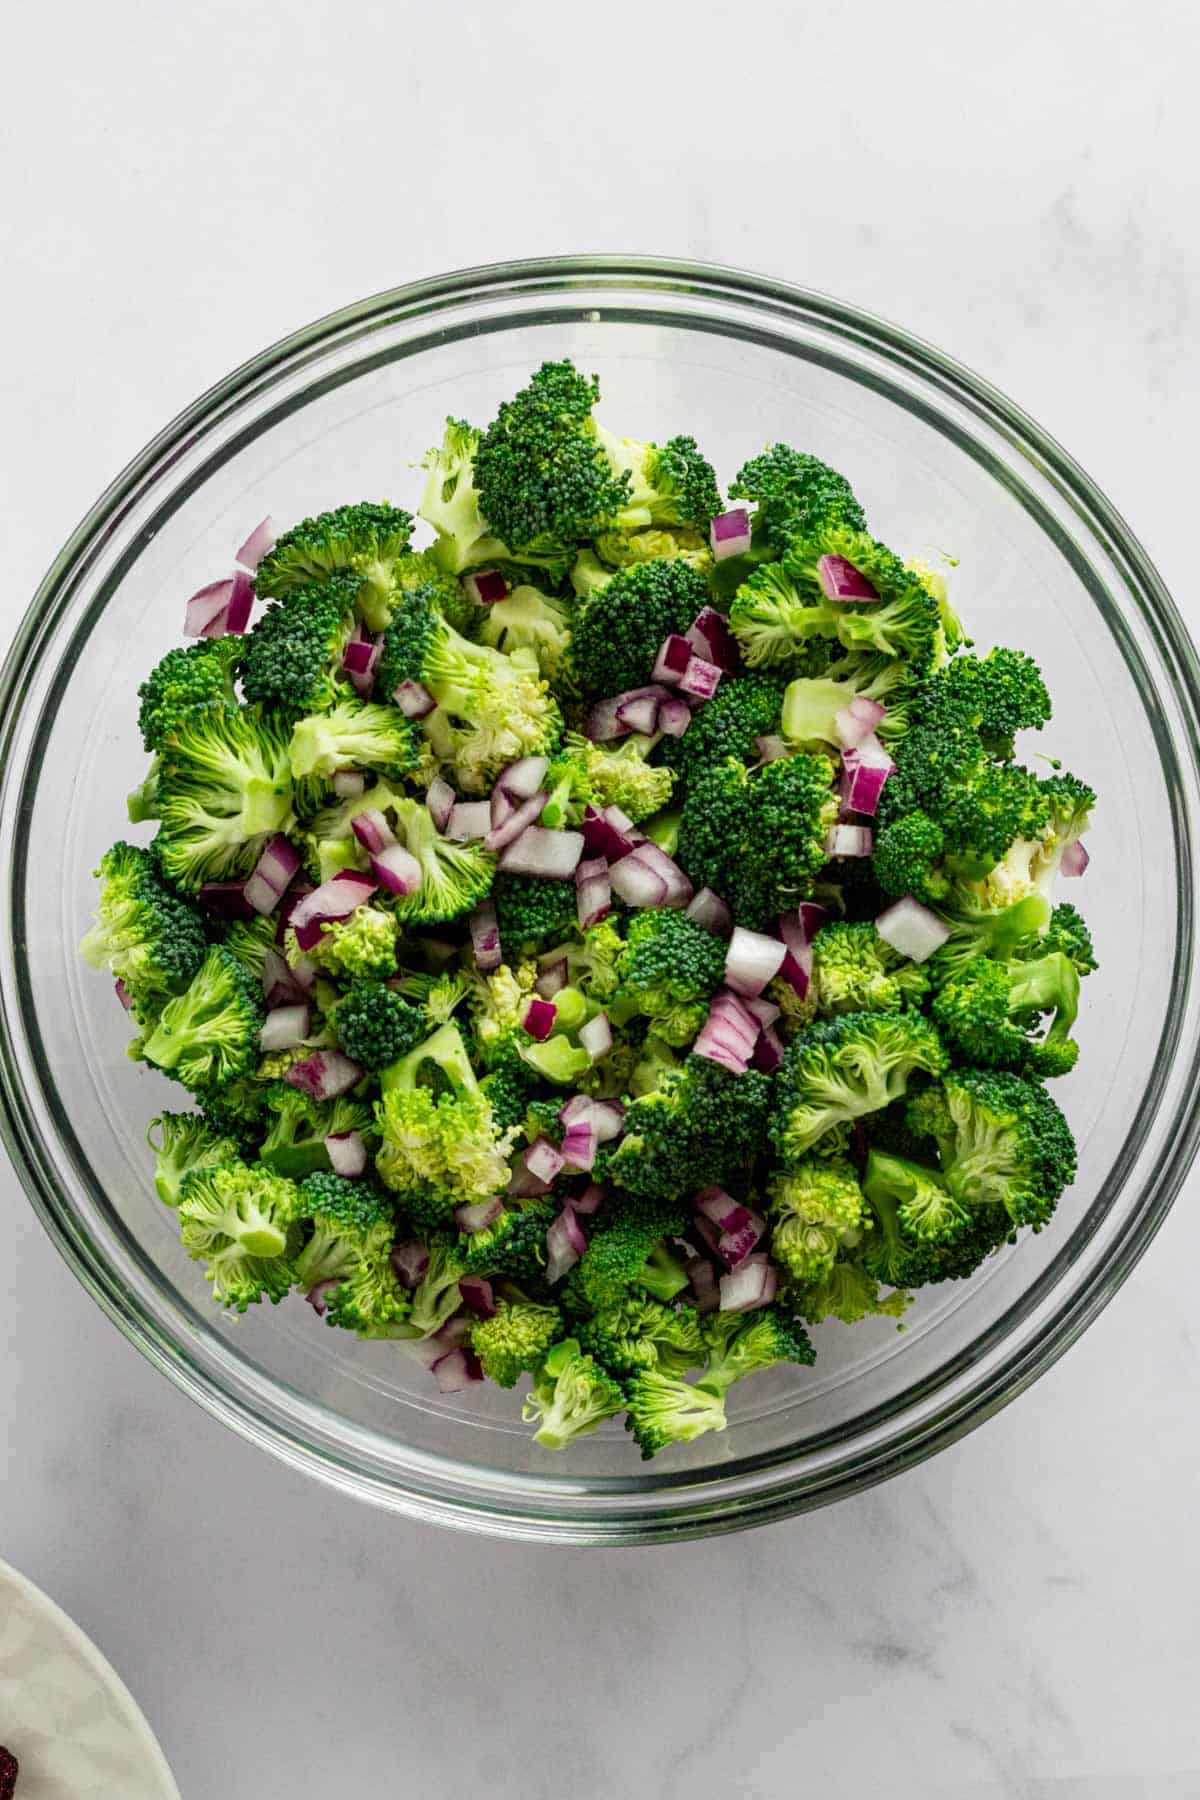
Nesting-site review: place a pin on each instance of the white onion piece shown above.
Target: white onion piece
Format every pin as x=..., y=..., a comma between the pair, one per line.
x=729, y=533
x=637, y=884
x=281, y=985
x=678, y=889
x=478, y=1217
x=324, y=1075
x=752, y=960
x=593, y=892
x=241, y=601
x=912, y=929
x=499, y=837
x=469, y=821
x=485, y=937
x=597, y=1036
x=251, y=552
x=544, y=1160
x=674, y=717
x=565, y=1244
x=347, y=1153
x=751, y=1285
x=552, y=978
x=765, y=1011
x=590, y=1201
x=579, y=1145
x=440, y=800
x=284, y=1029
x=410, y=1260
x=709, y=910
x=476, y=1292
x=397, y=870
x=726, y=1213
x=640, y=714
x=734, y=1245
x=347, y=784
x=602, y=837
x=857, y=720
x=521, y=780
x=771, y=748
x=539, y=1019
x=849, y=840
x=768, y=1052
x=457, y=1370
x=335, y=899
x=414, y=700
x=554, y=855
x=710, y=637
x=704, y=1284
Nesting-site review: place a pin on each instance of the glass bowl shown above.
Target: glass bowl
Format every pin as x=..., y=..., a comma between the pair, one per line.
x=943, y=463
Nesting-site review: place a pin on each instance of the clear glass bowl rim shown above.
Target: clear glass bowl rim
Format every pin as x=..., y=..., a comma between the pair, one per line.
x=430, y=1489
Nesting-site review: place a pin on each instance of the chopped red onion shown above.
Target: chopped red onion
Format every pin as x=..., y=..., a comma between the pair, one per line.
x=1075, y=860
x=849, y=840
x=593, y=892
x=768, y=1052
x=811, y=917
x=674, y=717
x=703, y=1278
x=544, y=1160
x=410, y=1260
x=649, y=871
x=260, y=895
x=838, y=579
x=710, y=911
x=478, y=1217
x=729, y=533
x=710, y=637
x=347, y=784
x=732, y=1009
x=579, y=1145
x=857, y=720
x=522, y=779
x=597, y=1037
x=601, y=837
x=485, y=937
x=372, y=830
x=318, y=1295
x=864, y=781
x=241, y=601
x=621, y=821
x=440, y=799
x=724, y=1059
x=590, y=1201
x=553, y=977
x=397, y=870
x=414, y=700
x=752, y=960
x=123, y=995
x=912, y=929
x=640, y=714
x=207, y=612
x=613, y=718
x=797, y=972
x=675, y=653
x=457, y=1370
x=486, y=586
x=499, y=837
x=476, y=1293
x=736, y=1243
x=522, y=1184
x=771, y=748
x=356, y=657
x=255, y=547
x=304, y=969
x=273, y=874
x=700, y=679
x=284, y=1029
x=601, y=723
x=324, y=1075
x=226, y=898
x=751, y=1285
x=347, y=1153
x=469, y=821
x=707, y=1232
x=565, y=1244
x=335, y=899
x=552, y=855
x=765, y=1011
x=726, y=1213
x=539, y=1019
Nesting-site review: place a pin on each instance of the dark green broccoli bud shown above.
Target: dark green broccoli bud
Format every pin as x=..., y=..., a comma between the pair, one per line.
x=420, y=569
x=514, y=1245
x=352, y=1223
x=620, y=627
x=1003, y=692
x=739, y=1344
x=1003, y=1142
x=664, y=1410
x=986, y=1013
x=638, y=1332
x=510, y=1086
x=922, y=1234
x=375, y=1026
x=571, y=1395
x=701, y=1125
x=372, y=1301
x=515, y=1339
x=239, y=1220
x=758, y=836
x=353, y=734
x=795, y=494
x=854, y=970
x=293, y=656
x=673, y=487
x=843, y=1068
x=224, y=788
x=774, y=616
x=196, y=678
x=530, y=911
x=236, y=1109
x=297, y=1125
x=626, y=1255
x=908, y=858
x=209, y=1033
x=1067, y=933
x=144, y=934
x=366, y=540
x=816, y=1210
x=186, y=1142
x=744, y=708
x=668, y=972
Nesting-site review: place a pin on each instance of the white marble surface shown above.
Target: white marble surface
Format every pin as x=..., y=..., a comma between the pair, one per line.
x=183, y=183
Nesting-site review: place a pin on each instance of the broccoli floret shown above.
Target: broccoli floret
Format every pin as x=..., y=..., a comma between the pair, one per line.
x=584, y=774
x=361, y=947
x=922, y=1233
x=848, y=1293
x=186, y=1142
x=626, y=1254
x=638, y=1332
x=144, y=934
x=376, y=1027
x=739, y=1344
x=701, y=1125
x=986, y=1013
x=1003, y=692
x=294, y=1144
x=534, y=622
x=1014, y=931
x=903, y=622
x=933, y=580
x=1067, y=933
x=571, y=1395
x=510, y=1086
x=774, y=615
x=840, y=1069
x=514, y=1245
x=744, y=708
x=293, y=656
x=450, y=503
x=619, y=628
x=352, y=1223
x=436, y=1297
x=515, y=1339
x=531, y=911
x=854, y=970
x=209, y=1033
x=669, y=487
x=224, y=788
x=441, y=1139
x=655, y=544
x=1002, y=1141
x=758, y=836
x=366, y=540
x=421, y=568
x=811, y=703
x=491, y=709
x=372, y=1301
x=795, y=494
x=249, y=940
x=196, y=678
x=353, y=734
x=498, y=1003
x=454, y=877
x=668, y=972
x=816, y=1209
x=663, y=1410
x=234, y=1213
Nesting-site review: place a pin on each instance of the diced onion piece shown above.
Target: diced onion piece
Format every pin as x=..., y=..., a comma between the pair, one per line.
x=674, y=717
x=498, y=837
x=335, y=899
x=397, y=870
x=347, y=784
x=522, y=779
x=524, y=1185
x=469, y=821
x=703, y=1278
x=602, y=837
x=440, y=801
x=544, y=1160
x=565, y=1244
x=123, y=994
x=597, y=1037
x=735, y=1243
x=710, y=911
x=318, y=1294
x=710, y=637
x=457, y=1370
x=729, y=533
x=857, y=720
x=751, y=1285
x=640, y=714
x=601, y=723
x=207, y=612
x=485, y=937
x=276, y=868
x=552, y=978
x=797, y=972
x=476, y=1293
x=838, y=579
x=281, y=986
x=414, y=700
x=752, y=960
x=410, y=1260
x=593, y=892
x=324, y=1075
x=726, y=1213
x=912, y=929
x=765, y=1011
x=849, y=840
x=637, y=884
x=771, y=748
x=241, y=602
x=590, y=1201
x=678, y=890
x=478, y=1217
x=356, y=657
x=372, y=830
x=579, y=1144
x=261, y=539
x=768, y=1052
x=700, y=679
x=553, y=855
x=486, y=586
x=1075, y=860
x=539, y=1018
x=811, y=917
x=733, y=1009
x=284, y=1028
x=225, y=898
x=347, y=1153
x=674, y=655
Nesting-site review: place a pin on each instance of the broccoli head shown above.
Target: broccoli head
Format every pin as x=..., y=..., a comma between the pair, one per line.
x=366, y=541
x=296, y=1127
x=376, y=1027
x=224, y=788
x=600, y=775
x=854, y=970
x=353, y=734
x=360, y=947
x=186, y=1142
x=817, y=1210
x=144, y=934
x=440, y=1136
x=812, y=703
x=515, y=1339
x=758, y=836
x=371, y=1300
x=531, y=911
x=514, y=1245
x=638, y=1332
x=739, y=1344
x=743, y=709
x=619, y=628
x=533, y=622
x=664, y=1409
x=352, y=1223
x=794, y=494
x=198, y=678
x=571, y=1395
x=701, y=1125
x=1002, y=1142
x=450, y=503
x=1067, y=933
x=986, y=1014
x=292, y=660
x=844, y=1068
x=668, y=972
x=239, y=1219
x=209, y=1033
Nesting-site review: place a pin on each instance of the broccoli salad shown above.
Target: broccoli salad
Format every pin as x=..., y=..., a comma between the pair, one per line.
x=602, y=927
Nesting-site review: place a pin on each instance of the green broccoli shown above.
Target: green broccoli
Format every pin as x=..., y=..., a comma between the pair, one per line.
x=353, y=734
x=620, y=627
x=515, y=1339
x=743, y=709
x=1067, y=933
x=442, y=1137
x=811, y=703
x=361, y=947
x=758, y=836
x=249, y=940
x=366, y=541
x=292, y=659
x=376, y=1027
x=352, y=1224
x=854, y=970
x=239, y=1219
x=1013, y=931
x=571, y=1395
x=144, y=934
x=198, y=678
x=436, y=1297
x=663, y=1410
x=454, y=877
x=739, y=1344
x=816, y=1209
x=450, y=503
x=529, y=620
x=986, y=1014
x=701, y=1125
x=668, y=973
x=841, y=1069
x=186, y=1142
x=794, y=494
x=372, y=1301
x=600, y=775
x=209, y=1033
x=514, y=1245
x=637, y=1332
x=1002, y=1142
x=297, y=1126
x=224, y=789
x=848, y=1293
x=531, y=911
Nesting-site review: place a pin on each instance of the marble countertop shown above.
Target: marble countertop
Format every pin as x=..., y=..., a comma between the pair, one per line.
x=189, y=182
